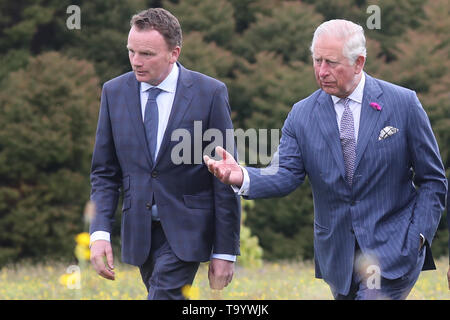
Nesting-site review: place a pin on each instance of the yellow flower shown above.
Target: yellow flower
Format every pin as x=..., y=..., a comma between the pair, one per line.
x=82, y=252
x=64, y=279
x=191, y=293
x=69, y=280
x=83, y=239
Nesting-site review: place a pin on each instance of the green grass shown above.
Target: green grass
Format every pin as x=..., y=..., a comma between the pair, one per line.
x=272, y=281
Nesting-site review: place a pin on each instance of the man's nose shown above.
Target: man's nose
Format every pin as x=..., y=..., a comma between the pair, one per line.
x=323, y=70
x=136, y=60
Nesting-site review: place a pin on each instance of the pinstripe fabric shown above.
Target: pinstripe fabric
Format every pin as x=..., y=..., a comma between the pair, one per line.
x=382, y=210
x=448, y=218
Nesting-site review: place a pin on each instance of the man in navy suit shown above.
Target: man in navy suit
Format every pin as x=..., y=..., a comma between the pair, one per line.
x=174, y=215
x=374, y=166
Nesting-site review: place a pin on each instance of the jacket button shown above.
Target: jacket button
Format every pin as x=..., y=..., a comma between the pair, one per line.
x=148, y=206
x=154, y=174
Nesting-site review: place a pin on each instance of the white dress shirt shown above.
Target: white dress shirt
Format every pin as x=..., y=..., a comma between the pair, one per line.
x=164, y=101
x=355, y=105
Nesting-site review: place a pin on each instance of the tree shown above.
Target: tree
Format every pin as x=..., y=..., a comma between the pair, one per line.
x=48, y=116
x=213, y=18
x=264, y=92
x=207, y=58
x=103, y=35
x=286, y=31
x=397, y=17
x=251, y=252
x=259, y=48
x=284, y=226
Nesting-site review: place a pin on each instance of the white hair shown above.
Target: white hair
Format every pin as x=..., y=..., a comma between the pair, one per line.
x=351, y=33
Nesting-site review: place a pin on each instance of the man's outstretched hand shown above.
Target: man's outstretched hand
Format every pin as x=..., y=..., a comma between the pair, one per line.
x=226, y=170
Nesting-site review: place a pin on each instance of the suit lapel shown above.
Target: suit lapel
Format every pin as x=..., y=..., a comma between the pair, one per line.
x=369, y=116
x=328, y=125
x=134, y=109
x=183, y=97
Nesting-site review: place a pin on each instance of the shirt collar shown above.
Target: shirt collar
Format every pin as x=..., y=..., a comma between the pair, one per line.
x=357, y=94
x=169, y=84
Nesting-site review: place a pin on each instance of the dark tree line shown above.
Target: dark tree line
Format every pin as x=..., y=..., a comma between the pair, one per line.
x=51, y=76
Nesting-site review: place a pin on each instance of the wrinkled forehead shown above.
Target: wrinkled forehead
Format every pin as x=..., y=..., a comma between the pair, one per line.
x=328, y=47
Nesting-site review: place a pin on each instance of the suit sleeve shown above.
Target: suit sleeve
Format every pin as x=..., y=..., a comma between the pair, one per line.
x=429, y=175
x=448, y=217
x=105, y=172
x=227, y=208
x=286, y=170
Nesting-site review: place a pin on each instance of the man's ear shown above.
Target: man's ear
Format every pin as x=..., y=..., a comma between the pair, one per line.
x=359, y=64
x=174, y=54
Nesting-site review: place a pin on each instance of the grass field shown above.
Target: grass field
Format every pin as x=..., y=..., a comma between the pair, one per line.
x=276, y=281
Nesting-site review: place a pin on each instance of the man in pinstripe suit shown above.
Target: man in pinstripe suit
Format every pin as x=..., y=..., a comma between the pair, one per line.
x=374, y=166
x=448, y=225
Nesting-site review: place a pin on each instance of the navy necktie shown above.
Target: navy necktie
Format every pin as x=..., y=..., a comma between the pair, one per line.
x=151, y=120
x=348, y=141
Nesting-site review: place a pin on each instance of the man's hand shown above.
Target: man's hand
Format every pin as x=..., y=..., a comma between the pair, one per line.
x=226, y=170
x=220, y=273
x=100, y=249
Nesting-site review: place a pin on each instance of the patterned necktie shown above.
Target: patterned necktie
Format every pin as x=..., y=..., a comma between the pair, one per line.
x=151, y=120
x=348, y=142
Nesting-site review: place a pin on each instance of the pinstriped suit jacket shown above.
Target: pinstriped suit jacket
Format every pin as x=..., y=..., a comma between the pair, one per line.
x=448, y=218
x=398, y=190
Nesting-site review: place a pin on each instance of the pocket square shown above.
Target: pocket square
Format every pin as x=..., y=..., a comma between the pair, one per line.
x=386, y=132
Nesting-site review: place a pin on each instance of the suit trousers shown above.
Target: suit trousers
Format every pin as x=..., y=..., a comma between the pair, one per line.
x=164, y=274
x=364, y=288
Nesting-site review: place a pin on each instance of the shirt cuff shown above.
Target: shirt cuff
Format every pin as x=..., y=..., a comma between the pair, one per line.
x=244, y=190
x=227, y=257
x=99, y=235
x=103, y=235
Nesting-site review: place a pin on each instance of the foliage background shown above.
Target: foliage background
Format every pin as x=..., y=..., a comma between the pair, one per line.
x=51, y=77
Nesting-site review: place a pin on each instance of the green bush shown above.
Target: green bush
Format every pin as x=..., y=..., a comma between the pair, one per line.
x=251, y=252
x=48, y=114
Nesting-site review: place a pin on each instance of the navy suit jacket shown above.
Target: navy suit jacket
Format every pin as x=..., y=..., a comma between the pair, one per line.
x=383, y=209
x=197, y=212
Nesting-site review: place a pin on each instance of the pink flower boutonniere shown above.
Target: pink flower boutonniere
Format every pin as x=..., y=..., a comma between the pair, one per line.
x=376, y=106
